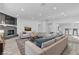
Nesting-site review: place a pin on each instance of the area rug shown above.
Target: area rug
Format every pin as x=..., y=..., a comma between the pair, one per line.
x=21, y=45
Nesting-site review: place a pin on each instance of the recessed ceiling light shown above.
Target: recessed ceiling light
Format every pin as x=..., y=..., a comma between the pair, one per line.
x=54, y=8
x=49, y=16
x=63, y=14
x=22, y=9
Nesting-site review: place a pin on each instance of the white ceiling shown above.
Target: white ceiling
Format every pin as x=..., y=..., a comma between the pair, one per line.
x=40, y=11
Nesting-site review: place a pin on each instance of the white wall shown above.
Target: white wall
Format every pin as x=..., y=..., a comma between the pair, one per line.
x=48, y=26
x=44, y=24
x=21, y=23
x=70, y=22
x=55, y=23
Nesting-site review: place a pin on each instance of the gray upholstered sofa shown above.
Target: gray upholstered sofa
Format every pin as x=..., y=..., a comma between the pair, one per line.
x=50, y=47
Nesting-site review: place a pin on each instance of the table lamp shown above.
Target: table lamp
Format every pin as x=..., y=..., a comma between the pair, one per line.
x=1, y=35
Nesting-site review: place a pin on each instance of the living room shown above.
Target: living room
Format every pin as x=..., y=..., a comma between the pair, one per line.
x=39, y=28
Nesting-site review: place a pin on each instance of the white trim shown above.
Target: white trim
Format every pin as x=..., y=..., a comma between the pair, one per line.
x=8, y=25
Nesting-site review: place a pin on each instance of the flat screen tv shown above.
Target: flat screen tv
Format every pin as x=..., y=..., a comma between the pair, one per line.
x=27, y=28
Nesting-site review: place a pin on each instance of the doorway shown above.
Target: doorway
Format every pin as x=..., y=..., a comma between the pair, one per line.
x=67, y=31
x=75, y=31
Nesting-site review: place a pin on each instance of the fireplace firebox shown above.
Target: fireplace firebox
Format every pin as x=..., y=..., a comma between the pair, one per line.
x=10, y=32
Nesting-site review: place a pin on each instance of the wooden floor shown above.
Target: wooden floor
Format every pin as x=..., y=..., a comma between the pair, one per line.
x=11, y=47
x=73, y=46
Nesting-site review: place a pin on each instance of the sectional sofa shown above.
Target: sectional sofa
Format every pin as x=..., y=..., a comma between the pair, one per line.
x=55, y=46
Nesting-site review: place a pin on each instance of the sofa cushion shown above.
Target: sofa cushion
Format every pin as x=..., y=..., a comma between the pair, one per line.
x=47, y=43
x=39, y=41
x=58, y=38
x=42, y=40
x=24, y=35
x=59, y=34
